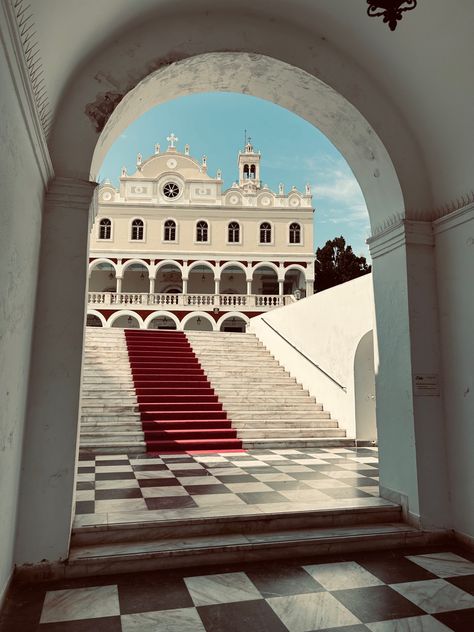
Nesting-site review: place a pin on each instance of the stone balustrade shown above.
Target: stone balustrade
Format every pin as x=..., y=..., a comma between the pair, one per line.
x=188, y=302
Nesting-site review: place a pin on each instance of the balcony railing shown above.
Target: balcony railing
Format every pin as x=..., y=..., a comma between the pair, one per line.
x=188, y=302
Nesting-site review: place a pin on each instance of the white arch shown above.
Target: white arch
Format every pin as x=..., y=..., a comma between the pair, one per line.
x=130, y=262
x=96, y=262
x=204, y=315
x=231, y=315
x=101, y=317
x=296, y=266
x=236, y=264
x=195, y=264
x=159, y=313
x=124, y=312
x=265, y=264
x=169, y=262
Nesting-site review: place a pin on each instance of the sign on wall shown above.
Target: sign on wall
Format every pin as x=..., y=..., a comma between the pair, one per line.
x=426, y=384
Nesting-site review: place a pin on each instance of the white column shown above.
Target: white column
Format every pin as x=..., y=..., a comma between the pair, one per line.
x=309, y=287
x=280, y=286
x=410, y=421
x=185, y=285
x=119, y=285
x=249, y=286
x=217, y=283
x=50, y=440
x=152, y=285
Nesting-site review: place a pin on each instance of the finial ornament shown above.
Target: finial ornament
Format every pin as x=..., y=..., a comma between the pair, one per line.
x=391, y=10
x=124, y=171
x=308, y=188
x=204, y=161
x=139, y=160
x=157, y=148
x=186, y=150
x=281, y=189
x=219, y=174
x=172, y=139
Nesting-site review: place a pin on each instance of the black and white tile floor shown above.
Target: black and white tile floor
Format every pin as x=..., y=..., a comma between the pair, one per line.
x=116, y=484
x=408, y=591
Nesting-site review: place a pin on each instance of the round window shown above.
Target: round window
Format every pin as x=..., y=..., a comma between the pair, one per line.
x=171, y=190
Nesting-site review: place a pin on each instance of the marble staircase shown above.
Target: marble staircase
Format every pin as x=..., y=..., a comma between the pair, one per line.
x=268, y=408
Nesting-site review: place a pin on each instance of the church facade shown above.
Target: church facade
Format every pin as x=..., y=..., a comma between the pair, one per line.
x=170, y=248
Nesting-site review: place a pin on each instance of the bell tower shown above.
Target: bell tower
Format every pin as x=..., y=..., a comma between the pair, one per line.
x=249, y=166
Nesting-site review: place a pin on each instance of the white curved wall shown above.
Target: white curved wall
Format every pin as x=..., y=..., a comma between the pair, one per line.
x=326, y=327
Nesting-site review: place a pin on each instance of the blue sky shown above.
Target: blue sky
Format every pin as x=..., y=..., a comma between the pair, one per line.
x=293, y=152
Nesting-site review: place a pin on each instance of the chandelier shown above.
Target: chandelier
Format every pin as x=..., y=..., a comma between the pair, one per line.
x=391, y=10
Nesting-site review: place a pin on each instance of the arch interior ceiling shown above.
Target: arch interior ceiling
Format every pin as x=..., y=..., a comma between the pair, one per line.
x=415, y=75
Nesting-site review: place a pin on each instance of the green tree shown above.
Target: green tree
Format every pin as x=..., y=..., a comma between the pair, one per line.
x=336, y=263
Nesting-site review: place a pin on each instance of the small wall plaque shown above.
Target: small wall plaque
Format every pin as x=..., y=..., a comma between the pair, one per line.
x=426, y=384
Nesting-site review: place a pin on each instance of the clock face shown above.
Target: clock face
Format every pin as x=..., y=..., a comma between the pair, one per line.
x=107, y=196
x=171, y=163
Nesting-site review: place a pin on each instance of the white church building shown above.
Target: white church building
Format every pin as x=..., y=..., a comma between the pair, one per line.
x=171, y=249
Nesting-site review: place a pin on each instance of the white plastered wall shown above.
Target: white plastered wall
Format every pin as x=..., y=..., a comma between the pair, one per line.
x=327, y=328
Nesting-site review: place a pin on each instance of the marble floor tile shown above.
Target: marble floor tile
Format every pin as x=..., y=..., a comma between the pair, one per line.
x=444, y=564
x=161, y=492
x=111, y=457
x=128, y=484
x=225, y=471
x=273, y=477
x=425, y=623
x=287, y=451
x=154, y=474
x=248, y=487
x=301, y=496
x=340, y=473
x=82, y=478
x=311, y=461
x=310, y=612
x=270, y=457
x=179, y=620
x=293, y=468
x=185, y=466
x=244, y=616
x=217, y=500
x=221, y=588
x=113, y=468
x=155, y=461
x=342, y=575
x=85, y=494
x=328, y=483
x=126, y=504
x=80, y=603
x=211, y=459
x=246, y=464
x=435, y=595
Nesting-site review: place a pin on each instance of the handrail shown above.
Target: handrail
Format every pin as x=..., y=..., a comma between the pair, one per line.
x=305, y=356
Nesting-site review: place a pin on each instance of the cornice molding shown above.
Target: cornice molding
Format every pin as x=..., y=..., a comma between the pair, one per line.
x=454, y=219
x=71, y=194
x=22, y=56
x=405, y=232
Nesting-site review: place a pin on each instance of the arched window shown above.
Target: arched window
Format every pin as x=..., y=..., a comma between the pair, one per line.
x=265, y=233
x=202, y=231
x=295, y=233
x=105, y=229
x=246, y=171
x=170, y=230
x=137, y=229
x=252, y=172
x=233, y=233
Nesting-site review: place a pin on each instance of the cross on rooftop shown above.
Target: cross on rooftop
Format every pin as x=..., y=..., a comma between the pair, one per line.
x=172, y=139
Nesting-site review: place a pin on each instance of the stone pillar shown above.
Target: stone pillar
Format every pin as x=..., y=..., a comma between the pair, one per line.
x=185, y=285
x=410, y=418
x=119, y=285
x=249, y=286
x=280, y=286
x=152, y=285
x=309, y=287
x=50, y=445
x=217, y=283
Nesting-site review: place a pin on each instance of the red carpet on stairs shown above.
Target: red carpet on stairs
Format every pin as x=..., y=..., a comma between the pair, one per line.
x=178, y=407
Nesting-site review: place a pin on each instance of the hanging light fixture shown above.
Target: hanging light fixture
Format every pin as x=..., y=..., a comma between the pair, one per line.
x=198, y=320
x=391, y=10
x=142, y=275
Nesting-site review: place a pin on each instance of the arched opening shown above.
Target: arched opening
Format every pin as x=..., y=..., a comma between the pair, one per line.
x=233, y=280
x=233, y=323
x=169, y=279
x=162, y=321
x=137, y=230
x=295, y=282
x=364, y=389
x=198, y=322
x=102, y=277
x=93, y=320
x=201, y=279
x=265, y=280
x=125, y=321
x=135, y=279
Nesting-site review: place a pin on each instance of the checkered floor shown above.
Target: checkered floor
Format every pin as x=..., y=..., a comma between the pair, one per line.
x=417, y=590
x=109, y=484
